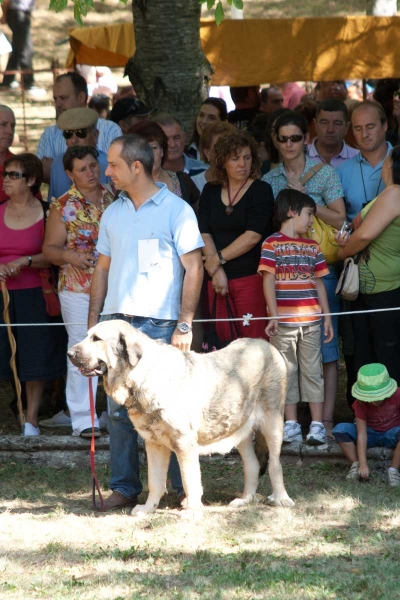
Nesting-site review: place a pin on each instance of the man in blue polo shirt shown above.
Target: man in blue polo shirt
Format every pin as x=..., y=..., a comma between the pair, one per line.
x=148, y=240
x=361, y=175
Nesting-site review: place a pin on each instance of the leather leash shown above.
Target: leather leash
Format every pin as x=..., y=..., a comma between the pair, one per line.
x=95, y=483
x=13, y=344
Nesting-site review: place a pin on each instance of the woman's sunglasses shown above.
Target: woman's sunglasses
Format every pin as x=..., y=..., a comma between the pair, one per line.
x=282, y=139
x=13, y=174
x=80, y=133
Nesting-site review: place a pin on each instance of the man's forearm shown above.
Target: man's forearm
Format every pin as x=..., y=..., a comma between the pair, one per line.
x=98, y=293
x=191, y=293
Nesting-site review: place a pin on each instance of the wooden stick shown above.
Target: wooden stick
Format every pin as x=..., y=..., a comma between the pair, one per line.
x=13, y=344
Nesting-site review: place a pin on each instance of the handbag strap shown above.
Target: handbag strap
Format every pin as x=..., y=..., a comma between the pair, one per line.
x=232, y=324
x=310, y=174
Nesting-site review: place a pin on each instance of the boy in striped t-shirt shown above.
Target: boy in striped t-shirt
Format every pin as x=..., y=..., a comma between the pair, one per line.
x=292, y=268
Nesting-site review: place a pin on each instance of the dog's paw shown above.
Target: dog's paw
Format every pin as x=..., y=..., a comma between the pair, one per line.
x=284, y=501
x=141, y=510
x=240, y=502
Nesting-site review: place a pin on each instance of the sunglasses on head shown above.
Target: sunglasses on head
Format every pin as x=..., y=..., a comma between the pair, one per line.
x=80, y=133
x=13, y=174
x=282, y=139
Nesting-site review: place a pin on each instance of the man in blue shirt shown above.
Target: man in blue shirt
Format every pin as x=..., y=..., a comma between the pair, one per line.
x=148, y=240
x=79, y=127
x=361, y=175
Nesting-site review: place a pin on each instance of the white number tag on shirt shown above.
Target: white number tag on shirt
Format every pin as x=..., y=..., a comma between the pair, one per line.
x=149, y=255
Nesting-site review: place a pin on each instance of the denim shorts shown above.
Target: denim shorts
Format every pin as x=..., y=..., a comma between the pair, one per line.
x=330, y=351
x=347, y=432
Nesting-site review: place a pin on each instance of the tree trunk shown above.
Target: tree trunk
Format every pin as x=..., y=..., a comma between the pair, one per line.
x=169, y=70
x=382, y=8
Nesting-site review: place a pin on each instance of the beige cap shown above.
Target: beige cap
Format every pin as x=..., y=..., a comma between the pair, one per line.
x=77, y=118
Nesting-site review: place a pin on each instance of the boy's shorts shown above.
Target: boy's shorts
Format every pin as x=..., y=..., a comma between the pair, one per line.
x=347, y=432
x=301, y=347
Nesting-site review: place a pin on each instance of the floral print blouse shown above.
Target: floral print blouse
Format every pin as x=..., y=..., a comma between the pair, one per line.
x=82, y=221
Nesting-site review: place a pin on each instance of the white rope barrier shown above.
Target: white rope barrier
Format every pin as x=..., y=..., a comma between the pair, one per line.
x=247, y=318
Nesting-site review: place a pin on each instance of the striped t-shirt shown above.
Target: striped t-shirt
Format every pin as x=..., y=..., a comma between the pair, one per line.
x=295, y=262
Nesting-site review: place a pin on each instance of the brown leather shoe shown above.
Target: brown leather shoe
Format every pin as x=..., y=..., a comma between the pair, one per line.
x=118, y=500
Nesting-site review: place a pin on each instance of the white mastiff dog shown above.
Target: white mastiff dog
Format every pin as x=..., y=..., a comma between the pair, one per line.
x=193, y=404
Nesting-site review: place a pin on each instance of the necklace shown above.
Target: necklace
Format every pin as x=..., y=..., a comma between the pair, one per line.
x=229, y=209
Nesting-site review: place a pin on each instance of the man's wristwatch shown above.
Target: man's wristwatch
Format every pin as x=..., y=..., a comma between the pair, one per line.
x=221, y=258
x=184, y=327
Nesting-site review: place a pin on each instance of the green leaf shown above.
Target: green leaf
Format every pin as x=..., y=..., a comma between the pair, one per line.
x=219, y=13
x=229, y=2
x=210, y=4
x=77, y=14
x=238, y=4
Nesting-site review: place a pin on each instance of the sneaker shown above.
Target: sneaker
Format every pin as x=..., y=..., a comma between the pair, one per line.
x=292, y=432
x=317, y=434
x=14, y=85
x=353, y=473
x=393, y=477
x=87, y=433
x=30, y=430
x=58, y=420
x=36, y=91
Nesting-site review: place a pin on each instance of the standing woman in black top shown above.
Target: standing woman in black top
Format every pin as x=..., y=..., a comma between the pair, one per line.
x=235, y=215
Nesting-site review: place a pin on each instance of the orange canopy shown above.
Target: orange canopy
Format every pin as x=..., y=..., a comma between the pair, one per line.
x=255, y=51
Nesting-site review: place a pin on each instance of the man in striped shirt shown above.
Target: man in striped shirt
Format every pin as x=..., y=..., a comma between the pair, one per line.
x=292, y=268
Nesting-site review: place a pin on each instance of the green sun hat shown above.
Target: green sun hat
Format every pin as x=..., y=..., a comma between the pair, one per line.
x=373, y=383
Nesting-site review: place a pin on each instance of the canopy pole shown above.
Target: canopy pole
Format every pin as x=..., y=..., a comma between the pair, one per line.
x=364, y=89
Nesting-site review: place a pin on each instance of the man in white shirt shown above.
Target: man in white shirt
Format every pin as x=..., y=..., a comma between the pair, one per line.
x=149, y=239
x=70, y=91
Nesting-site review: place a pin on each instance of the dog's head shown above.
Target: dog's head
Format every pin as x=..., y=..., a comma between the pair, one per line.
x=107, y=345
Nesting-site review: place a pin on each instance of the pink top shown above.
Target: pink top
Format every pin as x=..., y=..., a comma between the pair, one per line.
x=15, y=243
x=292, y=94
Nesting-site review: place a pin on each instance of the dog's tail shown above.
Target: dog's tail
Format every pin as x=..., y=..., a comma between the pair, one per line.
x=261, y=450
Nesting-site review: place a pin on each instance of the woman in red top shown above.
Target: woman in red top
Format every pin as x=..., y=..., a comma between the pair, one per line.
x=40, y=350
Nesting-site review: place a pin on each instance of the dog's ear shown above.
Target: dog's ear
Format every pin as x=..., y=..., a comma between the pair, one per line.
x=133, y=349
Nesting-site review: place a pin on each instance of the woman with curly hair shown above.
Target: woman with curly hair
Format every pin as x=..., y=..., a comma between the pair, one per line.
x=235, y=215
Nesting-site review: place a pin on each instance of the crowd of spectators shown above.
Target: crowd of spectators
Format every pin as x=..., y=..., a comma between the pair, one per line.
x=233, y=201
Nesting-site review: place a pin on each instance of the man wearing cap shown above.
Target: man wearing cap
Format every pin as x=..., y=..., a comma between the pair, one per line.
x=70, y=91
x=377, y=411
x=129, y=111
x=79, y=128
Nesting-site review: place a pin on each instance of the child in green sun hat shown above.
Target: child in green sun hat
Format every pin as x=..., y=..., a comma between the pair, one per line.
x=377, y=411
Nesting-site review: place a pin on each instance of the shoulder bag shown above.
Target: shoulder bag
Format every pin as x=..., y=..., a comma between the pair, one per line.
x=211, y=341
x=321, y=232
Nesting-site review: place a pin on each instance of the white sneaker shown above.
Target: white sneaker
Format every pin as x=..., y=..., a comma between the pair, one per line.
x=317, y=434
x=30, y=430
x=292, y=432
x=393, y=477
x=14, y=85
x=36, y=92
x=58, y=420
x=353, y=473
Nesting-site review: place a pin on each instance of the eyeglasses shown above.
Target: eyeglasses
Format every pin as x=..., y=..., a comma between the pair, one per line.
x=13, y=174
x=282, y=139
x=80, y=133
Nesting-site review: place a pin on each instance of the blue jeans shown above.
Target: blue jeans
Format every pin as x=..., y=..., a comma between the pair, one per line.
x=347, y=432
x=124, y=451
x=330, y=351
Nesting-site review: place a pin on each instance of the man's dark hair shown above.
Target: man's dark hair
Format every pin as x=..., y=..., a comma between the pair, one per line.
x=333, y=105
x=29, y=164
x=135, y=148
x=240, y=94
x=266, y=91
x=289, y=199
x=291, y=118
x=77, y=81
x=79, y=152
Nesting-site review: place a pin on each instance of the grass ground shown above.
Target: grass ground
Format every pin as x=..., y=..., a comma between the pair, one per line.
x=341, y=541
